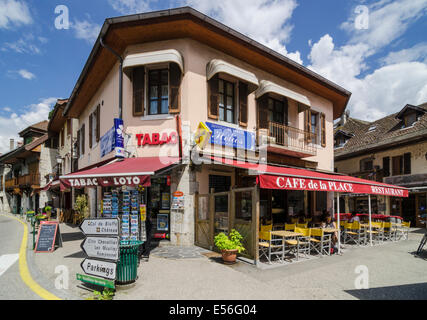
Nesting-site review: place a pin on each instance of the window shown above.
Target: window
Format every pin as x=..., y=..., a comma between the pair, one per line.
x=226, y=101
x=372, y=128
x=366, y=164
x=158, y=91
x=81, y=141
x=321, y=201
x=314, y=123
x=94, y=127
x=277, y=112
x=386, y=166
x=397, y=165
x=409, y=119
x=219, y=183
x=62, y=137
x=407, y=163
x=340, y=141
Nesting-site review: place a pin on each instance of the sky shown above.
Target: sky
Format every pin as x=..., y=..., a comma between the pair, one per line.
x=375, y=49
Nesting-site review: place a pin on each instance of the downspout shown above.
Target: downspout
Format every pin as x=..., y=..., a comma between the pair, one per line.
x=120, y=77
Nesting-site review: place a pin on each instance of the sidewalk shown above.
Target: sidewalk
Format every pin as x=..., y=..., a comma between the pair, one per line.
x=194, y=273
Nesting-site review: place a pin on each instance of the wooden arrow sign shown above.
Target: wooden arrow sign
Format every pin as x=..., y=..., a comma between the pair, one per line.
x=99, y=268
x=101, y=247
x=100, y=227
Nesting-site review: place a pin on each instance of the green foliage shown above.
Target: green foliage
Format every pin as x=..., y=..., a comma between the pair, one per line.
x=82, y=205
x=106, y=294
x=48, y=208
x=231, y=242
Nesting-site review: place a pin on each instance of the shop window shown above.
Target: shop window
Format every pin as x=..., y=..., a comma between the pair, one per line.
x=321, y=201
x=219, y=183
x=244, y=205
x=295, y=202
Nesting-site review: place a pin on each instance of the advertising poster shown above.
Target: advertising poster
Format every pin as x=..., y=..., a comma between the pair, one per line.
x=162, y=222
x=119, y=140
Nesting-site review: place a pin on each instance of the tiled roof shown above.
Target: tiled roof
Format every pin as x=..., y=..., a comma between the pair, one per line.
x=386, y=132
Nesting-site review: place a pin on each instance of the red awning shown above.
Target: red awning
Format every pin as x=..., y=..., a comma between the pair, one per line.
x=274, y=177
x=128, y=172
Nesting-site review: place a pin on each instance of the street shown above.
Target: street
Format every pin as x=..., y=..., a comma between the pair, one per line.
x=392, y=272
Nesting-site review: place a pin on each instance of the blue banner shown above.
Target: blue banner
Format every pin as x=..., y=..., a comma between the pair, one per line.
x=107, y=142
x=231, y=137
x=119, y=138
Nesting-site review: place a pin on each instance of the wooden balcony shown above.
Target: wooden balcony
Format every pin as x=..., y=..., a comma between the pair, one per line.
x=29, y=180
x=289, y=141
x=11, y=183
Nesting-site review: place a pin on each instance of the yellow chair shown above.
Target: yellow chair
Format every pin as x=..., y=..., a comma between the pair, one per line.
x=290, y=226
x=303, y=242
x=376, y=230
x=302, y=225
x=269, y=247
x=294, y=220
x=354, y=232
x=268, y=227
x=389, y=231
x=307, y=220
x=321, y=242
x=404, y=229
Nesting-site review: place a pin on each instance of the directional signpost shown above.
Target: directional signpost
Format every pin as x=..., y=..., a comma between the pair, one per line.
x=101, y=246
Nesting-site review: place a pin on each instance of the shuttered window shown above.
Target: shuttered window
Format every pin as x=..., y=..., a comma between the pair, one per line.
x=175, y=76
x=386, y=166
x=82, y=140
x=213, y=98
x=68, y=126
x=323, y=129
x=243, y=104
x=90, y=130
x=226, y=101
x=158, y=91
x=397, y=165
x=138, y=80
x=263, y=112
x=98, y=122
x=307, y=126
x=407, y=163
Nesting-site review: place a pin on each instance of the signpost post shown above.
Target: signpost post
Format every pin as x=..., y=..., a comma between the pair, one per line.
x=101, y=246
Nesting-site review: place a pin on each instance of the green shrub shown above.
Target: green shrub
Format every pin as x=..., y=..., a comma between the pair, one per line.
x=231, y=242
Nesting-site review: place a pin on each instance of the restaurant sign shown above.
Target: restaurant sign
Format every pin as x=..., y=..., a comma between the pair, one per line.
x=295, y=183
x=117, y=181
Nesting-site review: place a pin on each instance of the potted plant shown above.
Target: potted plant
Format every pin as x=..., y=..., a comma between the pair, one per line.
x=82, y=208
x=229, y=245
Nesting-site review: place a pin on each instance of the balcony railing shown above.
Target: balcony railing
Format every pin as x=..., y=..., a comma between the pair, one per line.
x=22, y=181
x=293, y=138
x=11, y=183
x=374, y=175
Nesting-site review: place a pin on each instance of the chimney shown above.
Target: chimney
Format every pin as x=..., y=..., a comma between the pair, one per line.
x=12, y=144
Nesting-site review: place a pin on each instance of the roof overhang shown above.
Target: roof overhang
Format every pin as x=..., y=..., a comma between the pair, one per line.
x=270, y=87
x=121, y=32
x=146, y=58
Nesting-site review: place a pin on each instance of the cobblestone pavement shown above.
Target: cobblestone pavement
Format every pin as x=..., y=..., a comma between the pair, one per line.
x=171, y=252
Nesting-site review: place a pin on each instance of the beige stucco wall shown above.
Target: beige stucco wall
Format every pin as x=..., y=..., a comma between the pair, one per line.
x=418, y=160
x=65, y=151
x=193, y=100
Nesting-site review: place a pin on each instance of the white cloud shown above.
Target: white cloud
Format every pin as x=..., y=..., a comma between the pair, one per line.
x=416, y=53
x=402, y=77
x=86, y=30
x=130, y=6
x=14, y=12
x=26, y=74
x=7, y=109
x=10, y=126
x=23, y=45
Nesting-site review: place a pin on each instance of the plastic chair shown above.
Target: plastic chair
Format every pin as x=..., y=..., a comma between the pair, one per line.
x=302, y=225
x=290, y=226
x=321, y=242
x=267, y=227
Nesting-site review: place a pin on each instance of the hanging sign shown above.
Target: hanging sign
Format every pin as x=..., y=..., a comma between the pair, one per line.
x=101, y=247
x=107, y=142
x=100, y=227
x=103, y=269
x=119, y=139
x=231, y=137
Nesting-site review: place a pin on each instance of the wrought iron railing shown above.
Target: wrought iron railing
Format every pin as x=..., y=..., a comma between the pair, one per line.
x=294, y=138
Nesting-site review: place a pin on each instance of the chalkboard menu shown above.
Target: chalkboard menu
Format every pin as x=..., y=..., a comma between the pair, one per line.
x=48, y=237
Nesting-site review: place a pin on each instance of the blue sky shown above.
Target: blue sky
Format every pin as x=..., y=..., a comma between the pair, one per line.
x=384, y=65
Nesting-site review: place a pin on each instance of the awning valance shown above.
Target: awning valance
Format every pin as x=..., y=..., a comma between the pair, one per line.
x=141, y=59
x=219, y=66
x=270, y=87
x=128, y=172
x=274, y=177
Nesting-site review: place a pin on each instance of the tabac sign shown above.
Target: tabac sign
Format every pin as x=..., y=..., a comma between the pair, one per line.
x=117, y=181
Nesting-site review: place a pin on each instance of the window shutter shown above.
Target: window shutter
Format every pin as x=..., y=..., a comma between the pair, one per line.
x=68, y=126
x=323, y=129
x=90, y=130
x=243, y=104
x=138, y=79
x=263, y=112
x=213, y=98
x=174, y=88
x=307, y=126
x=285, y=111
x=386, y=166
x=78, y=143
x=98, y=122
x=407, y=163
x=83, y=139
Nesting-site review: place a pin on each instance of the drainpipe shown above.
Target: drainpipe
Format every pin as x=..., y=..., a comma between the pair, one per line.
x=120, y=77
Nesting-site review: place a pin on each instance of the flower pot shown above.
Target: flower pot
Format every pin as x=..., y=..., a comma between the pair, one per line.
x=229, y=256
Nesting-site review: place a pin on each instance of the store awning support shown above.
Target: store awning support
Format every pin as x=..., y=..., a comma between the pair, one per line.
x=338, y=223
x=370, y=219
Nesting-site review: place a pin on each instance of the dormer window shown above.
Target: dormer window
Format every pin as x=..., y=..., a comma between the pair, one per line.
x=409, y=119
x=372, y=128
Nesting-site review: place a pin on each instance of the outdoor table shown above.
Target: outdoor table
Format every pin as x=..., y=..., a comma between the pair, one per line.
x=285, y=234
x=330, y=230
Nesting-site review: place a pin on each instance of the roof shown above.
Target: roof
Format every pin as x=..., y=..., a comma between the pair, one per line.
x=385, y=133
x=40, y=127
x=120, y=32
x=23, y=151
x=57, y=118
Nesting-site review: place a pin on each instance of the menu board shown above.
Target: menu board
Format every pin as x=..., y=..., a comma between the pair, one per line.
x=49, y=236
